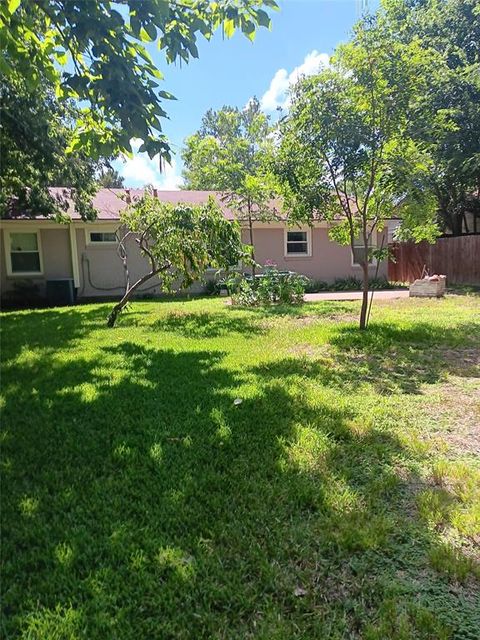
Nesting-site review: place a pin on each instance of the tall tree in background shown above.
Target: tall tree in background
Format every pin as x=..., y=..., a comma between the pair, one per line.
x=345, y=156
x=110, y=179
x=36, y=130
x=230, y=154
x=92, y=52
x=447, y=117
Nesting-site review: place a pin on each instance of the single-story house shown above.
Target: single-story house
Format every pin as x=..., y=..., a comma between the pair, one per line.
x=34, y=252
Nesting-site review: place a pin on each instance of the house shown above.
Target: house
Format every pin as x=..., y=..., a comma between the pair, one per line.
x=35, y=252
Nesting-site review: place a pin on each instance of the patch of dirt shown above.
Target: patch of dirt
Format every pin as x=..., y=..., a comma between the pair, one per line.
x=455, y=404
x=307, y=350
x=463, y=362
x=305, y=321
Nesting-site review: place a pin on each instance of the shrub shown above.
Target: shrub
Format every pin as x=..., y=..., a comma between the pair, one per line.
x=25, y=294
x=381, y=283
x=347, y=284
x=351, y=283
x=271, y=287
x=212, y=288
x=314, y=286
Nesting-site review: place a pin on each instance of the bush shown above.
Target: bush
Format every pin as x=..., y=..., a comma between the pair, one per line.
x=351, y=283
x=314, y=286
x=381, y=283
x=212, y=288
x=347, y=284
x=24, y=295
x=271, y=287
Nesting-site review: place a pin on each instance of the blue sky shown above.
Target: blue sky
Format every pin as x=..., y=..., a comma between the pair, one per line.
x=304, y=33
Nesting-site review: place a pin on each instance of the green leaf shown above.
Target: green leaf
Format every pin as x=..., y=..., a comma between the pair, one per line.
x=166, y=95
x=263, y=18
x=61, y=57
x=135, y=25
x=151, y=31
x=5, y=67
x=13, y=6
x=192, y=47
x=229, y=28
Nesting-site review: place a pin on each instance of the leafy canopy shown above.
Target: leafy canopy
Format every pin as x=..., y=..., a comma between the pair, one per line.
x=94, y=52
x=230, y=153
x=446, y=117
x=184, y=239
x=36, y=130
x=345, y=154
x=346, y=151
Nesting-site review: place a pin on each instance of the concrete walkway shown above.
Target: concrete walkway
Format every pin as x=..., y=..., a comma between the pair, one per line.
x=389, y=294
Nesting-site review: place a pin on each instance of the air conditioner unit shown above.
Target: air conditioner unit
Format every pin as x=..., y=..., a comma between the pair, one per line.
x=61, y=292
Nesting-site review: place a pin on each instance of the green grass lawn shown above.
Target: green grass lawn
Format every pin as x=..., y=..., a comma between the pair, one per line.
x=338, y=499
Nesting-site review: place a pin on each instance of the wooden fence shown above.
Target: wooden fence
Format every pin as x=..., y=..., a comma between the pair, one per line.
x=458, y=258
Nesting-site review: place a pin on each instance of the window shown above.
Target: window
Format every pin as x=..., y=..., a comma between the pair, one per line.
x=297, y=243
x=359, y=251
x=98, y=237
x=24, y=254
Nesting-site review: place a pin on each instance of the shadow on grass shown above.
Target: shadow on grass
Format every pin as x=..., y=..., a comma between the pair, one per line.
x=140, y=501
x=207, y=324
x=47, y=328
x=391, y=359
x=321, y=308
x=212, y=324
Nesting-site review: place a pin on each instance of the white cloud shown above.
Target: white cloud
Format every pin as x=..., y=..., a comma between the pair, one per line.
x=140, y=170
x=277, y=93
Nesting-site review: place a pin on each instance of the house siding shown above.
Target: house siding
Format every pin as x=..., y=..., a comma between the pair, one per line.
x=101, y=272
x=328, y=259
x=56, y=258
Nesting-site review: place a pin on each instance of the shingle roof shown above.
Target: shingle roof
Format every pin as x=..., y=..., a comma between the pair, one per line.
x=110, y=202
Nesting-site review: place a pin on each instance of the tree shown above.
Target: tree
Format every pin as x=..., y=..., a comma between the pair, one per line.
x=447, y=118
x=180, y=241
x=230, y=154
x=93, y=51
x=36, y=130
x=344, y=155
x=110, y=179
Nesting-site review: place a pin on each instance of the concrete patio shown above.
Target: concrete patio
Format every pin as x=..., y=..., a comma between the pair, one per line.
x=388, y=294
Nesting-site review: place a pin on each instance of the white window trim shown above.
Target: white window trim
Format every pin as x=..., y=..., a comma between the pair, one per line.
x=373, y=245
x=309, y=242
x=8, y=255
x=102, y=229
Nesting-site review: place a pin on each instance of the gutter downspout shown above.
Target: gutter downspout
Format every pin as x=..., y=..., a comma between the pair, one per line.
x=74, y=254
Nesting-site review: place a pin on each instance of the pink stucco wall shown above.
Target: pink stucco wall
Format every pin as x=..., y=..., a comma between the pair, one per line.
x=55, y=250
x=328, y=259
x=101, y=271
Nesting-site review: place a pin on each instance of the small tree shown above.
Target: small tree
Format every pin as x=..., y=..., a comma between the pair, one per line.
x=229, y=153
x=344, y=155
x=180, y=241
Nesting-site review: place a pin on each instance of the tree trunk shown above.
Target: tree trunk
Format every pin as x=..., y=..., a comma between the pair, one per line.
x=364, y=310
x=250, y=228
x=117, y=309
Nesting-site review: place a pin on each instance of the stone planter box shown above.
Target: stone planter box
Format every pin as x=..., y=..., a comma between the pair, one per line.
x=429, y=287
